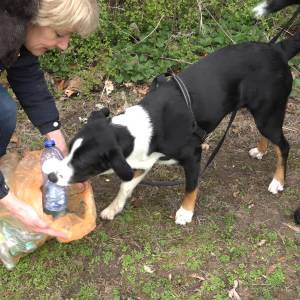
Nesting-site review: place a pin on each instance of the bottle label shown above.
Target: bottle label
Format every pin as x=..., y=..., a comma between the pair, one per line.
x=55, y=198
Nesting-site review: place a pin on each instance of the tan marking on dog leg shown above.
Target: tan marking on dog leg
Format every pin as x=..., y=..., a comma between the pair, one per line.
x=277, y=183
x=185, y=213
x=262, y=145
x=260, y=150
x=279, y=172
x=189, y=200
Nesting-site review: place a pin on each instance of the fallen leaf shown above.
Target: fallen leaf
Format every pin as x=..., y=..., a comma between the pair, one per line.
x=128, y=84
x=148, y=269
x=142, y=90
x=99, y=106
x=82, y=120
x=60, y=85
x=108, y=87
x=290, y=107
x=122, y=108
x=74, y=83
x=235, y=194
x=261, y=243
x=295, y=228
x=72, y=87
x=233, y=293
x=71, y=92
x=194, y=275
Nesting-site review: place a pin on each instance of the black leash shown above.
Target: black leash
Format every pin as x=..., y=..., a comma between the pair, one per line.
x=285, y=26
x=198, y=131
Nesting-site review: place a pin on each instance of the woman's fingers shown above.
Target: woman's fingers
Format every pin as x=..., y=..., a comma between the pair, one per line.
x=28, y=216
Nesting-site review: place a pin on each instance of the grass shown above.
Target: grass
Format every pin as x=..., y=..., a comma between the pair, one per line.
x=193, y=262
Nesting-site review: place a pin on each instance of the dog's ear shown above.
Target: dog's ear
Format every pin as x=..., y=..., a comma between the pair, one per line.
x=120, y=166
x=97, y=114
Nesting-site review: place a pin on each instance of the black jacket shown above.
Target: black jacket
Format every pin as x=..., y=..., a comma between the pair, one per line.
x=28, y=83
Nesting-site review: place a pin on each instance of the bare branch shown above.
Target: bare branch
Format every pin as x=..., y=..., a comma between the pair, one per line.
x=201, y=25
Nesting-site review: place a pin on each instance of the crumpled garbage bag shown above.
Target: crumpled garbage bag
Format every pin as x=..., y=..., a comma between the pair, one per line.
x=25, y=179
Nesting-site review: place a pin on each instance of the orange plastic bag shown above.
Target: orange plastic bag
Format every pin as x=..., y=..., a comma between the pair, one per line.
x=25, y=180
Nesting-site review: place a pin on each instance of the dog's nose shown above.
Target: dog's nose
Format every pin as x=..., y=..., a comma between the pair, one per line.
x=52, y=177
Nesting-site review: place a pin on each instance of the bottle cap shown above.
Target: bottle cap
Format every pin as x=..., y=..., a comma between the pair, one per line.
x=49, y=143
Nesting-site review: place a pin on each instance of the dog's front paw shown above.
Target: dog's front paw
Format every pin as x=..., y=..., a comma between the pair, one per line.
x=255, y=153
x=183, y=216
x=108, y=213
x=275, y=186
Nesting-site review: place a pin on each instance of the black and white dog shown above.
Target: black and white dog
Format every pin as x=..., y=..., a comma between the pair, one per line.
x=270, y=6
x=160, y=128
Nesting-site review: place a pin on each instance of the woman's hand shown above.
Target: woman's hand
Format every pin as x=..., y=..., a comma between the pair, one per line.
x=28, y=216
x=59, y=139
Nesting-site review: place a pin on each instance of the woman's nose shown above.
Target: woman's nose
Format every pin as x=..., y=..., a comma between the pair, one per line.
x=63, y=42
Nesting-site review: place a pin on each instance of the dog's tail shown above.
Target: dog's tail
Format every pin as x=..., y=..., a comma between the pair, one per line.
x=270, y=6
x=290, y=47
x=297, y=216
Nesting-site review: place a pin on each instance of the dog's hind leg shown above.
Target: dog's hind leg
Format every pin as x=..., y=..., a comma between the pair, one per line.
x=272, y=130
x=278, y=180
x=185, y=213
x=124, y=193
x=261, y=149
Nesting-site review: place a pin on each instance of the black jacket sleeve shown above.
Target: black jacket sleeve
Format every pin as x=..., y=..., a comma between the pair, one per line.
x=28, y=83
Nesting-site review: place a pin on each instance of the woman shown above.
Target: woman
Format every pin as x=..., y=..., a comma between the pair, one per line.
x=28, y=29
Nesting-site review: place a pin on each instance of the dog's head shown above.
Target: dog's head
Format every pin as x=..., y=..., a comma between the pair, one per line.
x=93, y=150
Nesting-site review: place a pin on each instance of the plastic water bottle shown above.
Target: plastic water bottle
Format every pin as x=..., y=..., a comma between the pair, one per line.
x=16, y=241
x=54, y=196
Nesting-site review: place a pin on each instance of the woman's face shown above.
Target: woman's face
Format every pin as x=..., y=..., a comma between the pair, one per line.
x=40, y=39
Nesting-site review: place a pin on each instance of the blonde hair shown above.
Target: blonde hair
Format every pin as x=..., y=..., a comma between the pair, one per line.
x=80, y=16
